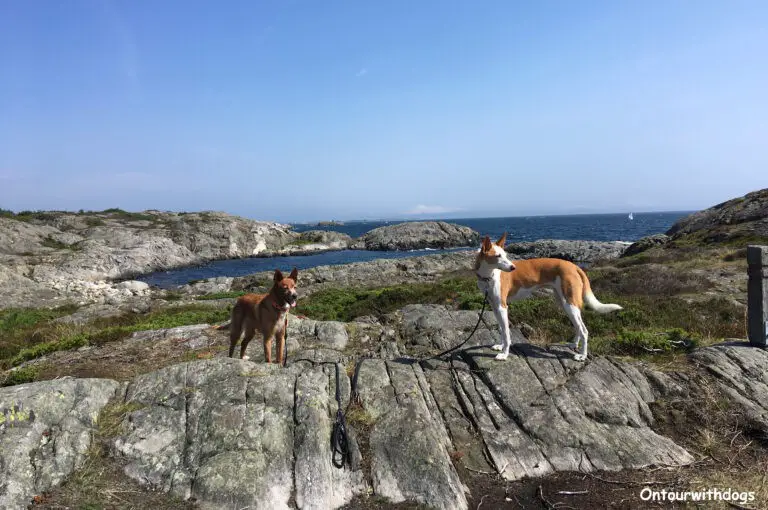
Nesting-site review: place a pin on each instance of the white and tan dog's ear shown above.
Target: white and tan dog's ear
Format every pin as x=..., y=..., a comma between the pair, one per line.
x=278, y=276
x=294, y=274
x=502, y=240
x=486, y=247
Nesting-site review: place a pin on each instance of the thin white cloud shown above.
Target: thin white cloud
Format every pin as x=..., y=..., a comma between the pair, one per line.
x=431, y=209
x=362, y=72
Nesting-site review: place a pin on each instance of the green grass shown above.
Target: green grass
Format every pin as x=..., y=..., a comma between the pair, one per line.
x=347, y=304
x=94, y=222
x=173, y=295
x=301, y=242
x=114, y=212
x=37, y=215
x=634, y=343
x=50, y=242
x=20, y=376
x=13, y=319
x=128, y=216
x=221, y=295
x=650, y=318
x=28, y=335
x=714, y=318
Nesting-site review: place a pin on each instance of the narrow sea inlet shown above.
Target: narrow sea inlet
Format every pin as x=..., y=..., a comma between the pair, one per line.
x=587, y=227
x=242, y=267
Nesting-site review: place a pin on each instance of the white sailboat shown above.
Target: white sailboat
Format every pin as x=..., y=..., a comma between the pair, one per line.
x=631, y=217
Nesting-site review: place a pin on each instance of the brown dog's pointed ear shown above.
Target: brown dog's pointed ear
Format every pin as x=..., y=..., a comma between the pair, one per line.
x=294, y=274
x=486, y=243
x=278, y=276
x=502, y=240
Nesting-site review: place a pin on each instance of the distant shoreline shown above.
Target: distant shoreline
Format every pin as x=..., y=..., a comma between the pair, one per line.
x=474, y=218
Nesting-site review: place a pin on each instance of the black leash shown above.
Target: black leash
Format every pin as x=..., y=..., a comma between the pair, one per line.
x=339, y=435
x=339, y=439
x=479, y=319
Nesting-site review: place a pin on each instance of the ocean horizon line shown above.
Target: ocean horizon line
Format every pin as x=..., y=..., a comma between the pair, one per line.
x=458, y=218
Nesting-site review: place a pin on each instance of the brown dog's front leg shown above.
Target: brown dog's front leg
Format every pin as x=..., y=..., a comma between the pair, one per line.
x=268, y=349
x=281, y=347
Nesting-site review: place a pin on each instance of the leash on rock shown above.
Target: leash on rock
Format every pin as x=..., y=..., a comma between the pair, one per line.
x=339, y=435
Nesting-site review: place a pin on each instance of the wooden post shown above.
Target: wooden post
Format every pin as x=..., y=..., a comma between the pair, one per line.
x=757, y=295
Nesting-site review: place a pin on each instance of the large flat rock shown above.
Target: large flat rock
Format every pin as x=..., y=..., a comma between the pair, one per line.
x=235, y=434
x=202, y=425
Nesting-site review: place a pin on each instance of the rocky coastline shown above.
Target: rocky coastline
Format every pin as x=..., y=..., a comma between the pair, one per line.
x=54, y=258
x=116, y=401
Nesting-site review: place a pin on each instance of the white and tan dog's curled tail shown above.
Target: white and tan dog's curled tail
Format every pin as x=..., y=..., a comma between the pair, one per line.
x=590, y=301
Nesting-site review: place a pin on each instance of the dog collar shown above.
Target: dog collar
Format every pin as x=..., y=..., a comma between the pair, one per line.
x=484, y=278
x=280, y=308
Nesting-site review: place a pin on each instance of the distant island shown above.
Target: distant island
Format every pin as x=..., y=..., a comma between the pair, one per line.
x=332, y=223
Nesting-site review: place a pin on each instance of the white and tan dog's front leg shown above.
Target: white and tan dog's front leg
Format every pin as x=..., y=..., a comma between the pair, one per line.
x=502, y=318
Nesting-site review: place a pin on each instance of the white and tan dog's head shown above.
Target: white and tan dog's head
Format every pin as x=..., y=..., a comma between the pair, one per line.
x=493, y=256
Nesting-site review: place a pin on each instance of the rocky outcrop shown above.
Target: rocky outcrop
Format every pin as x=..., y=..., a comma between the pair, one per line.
x=54, y=256
x=206, y=427
x=198, y=429
x=313, y=241
x=375, y=273
x=202, y=426
x=741, y=217
x=328, y=237
x=742, y=374
x=646, y=243
x=574, y=251
x=45, y=432
x=417, y=235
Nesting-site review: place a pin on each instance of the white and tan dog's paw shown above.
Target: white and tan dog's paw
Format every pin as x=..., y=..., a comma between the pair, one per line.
x=502, y=356
x=245, y=358
x=580, y=357
x=498, y=347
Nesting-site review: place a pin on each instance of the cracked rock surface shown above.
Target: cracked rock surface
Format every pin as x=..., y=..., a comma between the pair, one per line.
x=45, y=431
x=234, y=434
x=742, y=373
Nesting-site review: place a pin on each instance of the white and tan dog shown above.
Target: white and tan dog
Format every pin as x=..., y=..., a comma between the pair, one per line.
x=502, y=280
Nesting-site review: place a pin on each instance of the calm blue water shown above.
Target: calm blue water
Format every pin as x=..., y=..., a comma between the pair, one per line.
x=588, y=227
x=592, y=227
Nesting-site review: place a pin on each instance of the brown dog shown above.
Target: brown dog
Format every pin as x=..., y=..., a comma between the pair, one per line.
x=267, y=313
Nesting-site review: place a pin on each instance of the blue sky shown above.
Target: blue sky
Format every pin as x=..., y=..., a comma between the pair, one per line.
x=298, y=110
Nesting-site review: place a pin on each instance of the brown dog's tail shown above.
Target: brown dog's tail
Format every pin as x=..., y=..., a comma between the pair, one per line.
x=589, y=298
